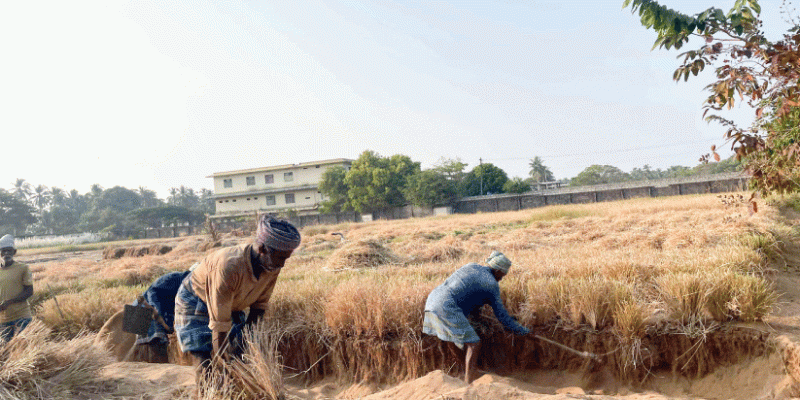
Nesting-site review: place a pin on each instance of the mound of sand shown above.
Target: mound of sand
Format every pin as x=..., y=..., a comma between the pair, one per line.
x=364, y=253
x=138, y=380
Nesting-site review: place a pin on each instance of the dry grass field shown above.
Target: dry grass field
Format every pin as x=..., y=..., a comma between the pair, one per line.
x=657, y=284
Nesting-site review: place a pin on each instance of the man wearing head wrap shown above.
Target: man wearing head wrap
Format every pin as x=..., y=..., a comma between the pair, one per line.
x=16, y=286
x=463, y=293
x=210, y=304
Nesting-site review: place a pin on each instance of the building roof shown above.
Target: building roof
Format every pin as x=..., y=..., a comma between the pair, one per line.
x=279, y=167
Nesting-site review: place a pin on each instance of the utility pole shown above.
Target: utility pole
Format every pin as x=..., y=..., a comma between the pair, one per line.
x=480, y=162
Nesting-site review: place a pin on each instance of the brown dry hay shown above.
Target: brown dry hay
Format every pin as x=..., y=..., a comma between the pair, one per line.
x=445, y=250
x=71, y=313
x=365, y=253
x=373, y=307
x=34, y=365
x=135, y=251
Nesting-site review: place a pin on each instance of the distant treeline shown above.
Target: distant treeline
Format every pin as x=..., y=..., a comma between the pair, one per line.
x=374, y=182
x=27, y=210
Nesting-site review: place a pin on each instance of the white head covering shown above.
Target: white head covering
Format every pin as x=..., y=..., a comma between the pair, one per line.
x=498, y=261
x=7, y=241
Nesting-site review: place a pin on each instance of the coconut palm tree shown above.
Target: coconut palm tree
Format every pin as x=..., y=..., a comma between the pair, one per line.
x=539, y=171
x=149, y=197
x=40, y=198
x=58, y=196
x=22, y=189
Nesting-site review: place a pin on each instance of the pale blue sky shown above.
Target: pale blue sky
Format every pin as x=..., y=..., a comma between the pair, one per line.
x=159, y=94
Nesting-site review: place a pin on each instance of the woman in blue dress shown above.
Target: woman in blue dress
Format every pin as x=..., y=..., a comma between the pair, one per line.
x=464, y=292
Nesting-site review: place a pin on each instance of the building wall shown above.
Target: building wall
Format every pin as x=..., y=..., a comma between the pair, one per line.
x=303, y=199
x=301, y=176
x=727, y=182
x=266, y=189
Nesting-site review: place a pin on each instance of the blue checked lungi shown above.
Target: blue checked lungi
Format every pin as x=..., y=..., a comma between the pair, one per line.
x=191, y=321
x=9, y=329
x=161, y=295
x=448, y=323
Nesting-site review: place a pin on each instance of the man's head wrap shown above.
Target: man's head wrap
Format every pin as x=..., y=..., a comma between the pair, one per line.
x=277, y=234
x=498, y=261
x=7, y=241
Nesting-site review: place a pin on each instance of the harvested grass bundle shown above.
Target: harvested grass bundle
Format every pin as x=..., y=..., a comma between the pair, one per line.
x=34, y=366
x=257, y=375
x=365, y=253
x=686, y=295
x=738, y=297
x=593, y=301
x=447, y=249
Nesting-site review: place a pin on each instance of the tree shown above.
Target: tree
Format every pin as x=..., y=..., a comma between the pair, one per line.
x=208, y=204
x=40, y=198
x=333, y=186
x=483, y=179
x=22, y=189
x=156, y=217
x=110, y=211
x=183, y=197
x=729, y=164
x=678, y=171
x=452, y=169
x=598, y=175
x=749, y=67
x=646, y=173
x=15, y=213
x=539, y=171
x=375, y=182
x=149, y=197
x=430, y=188
x=516, y=185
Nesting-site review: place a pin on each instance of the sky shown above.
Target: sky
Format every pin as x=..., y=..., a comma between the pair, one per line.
x=158, y=94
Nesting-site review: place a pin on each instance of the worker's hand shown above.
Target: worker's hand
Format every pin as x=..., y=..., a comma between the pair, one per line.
x=219, y=345
x=3, y=305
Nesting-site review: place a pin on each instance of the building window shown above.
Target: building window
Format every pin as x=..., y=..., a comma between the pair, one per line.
x=234, y=200
x=228, y=183
x=270, y=200
x=289, y=198
x=220, y=201
x=251, y=180
x=269, y=179
x=288, y=176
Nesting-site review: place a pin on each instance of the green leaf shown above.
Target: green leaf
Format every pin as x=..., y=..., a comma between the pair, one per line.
x=754, y=5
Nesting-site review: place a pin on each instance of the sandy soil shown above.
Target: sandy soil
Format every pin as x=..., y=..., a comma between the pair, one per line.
x=769, y=377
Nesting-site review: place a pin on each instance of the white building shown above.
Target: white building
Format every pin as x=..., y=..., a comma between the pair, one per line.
x=276, y=189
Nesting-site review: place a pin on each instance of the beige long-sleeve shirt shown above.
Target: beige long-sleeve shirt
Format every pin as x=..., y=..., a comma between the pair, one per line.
x=224, y=281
